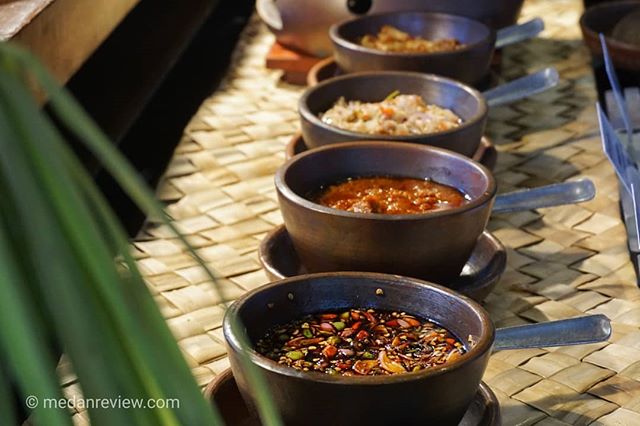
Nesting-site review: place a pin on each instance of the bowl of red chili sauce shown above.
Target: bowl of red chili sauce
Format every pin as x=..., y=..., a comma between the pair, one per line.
x=362, y=348
x=405, y=209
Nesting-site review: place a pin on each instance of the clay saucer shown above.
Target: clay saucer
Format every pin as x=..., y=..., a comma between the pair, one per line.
x=485, y=155
x=223, y=391
x=478, y=278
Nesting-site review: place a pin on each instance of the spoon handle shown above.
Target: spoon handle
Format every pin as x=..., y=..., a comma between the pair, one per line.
x=545, y=196
x=523, y=87
x=519, y=32
x=574, y=331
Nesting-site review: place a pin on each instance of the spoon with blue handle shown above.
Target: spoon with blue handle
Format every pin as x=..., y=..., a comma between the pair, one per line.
x=519, y=32
x=567, y=332
x=523, y=87
x=558, y=194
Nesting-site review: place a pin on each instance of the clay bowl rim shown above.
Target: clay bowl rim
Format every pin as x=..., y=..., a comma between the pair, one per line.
x=291, y=195
x=593, y=35
x=486, y=144
x=483, y=345
x=307, y=114
x=337, y=38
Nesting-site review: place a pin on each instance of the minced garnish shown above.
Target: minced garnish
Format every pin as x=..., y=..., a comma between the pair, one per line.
x=361, y=342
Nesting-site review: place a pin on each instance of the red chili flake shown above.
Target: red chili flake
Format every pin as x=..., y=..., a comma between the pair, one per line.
x=356, y=325
x=392, y=323
x=362, y=334
x=370, y=317
x=347, y=332
x=329, y=351
x=328, y=316
x=294, y=342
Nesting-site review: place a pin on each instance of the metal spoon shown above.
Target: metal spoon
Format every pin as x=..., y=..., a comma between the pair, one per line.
x=523, y=87
x=520, y=32
x=545, y=196
x=573, y=331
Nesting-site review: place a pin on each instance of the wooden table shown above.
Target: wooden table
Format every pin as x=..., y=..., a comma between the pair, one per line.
x=562, y=262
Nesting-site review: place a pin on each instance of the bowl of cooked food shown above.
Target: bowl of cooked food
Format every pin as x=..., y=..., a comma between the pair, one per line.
x=303, y=24
x=407, y=209
x=407, y=107
x=394, y=105
x=436, y=43
x=374, y=349
x=402, y=350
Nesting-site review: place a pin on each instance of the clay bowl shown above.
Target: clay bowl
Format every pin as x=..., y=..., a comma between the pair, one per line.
x=465, y=101
x=223, y=392
x=603, y=18
x=303, y=24
x=439, y=396
x=469, y=64
x=478, y=278
x=433, y=245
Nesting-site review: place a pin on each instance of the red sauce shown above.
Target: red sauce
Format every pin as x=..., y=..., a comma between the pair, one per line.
x=390, y=195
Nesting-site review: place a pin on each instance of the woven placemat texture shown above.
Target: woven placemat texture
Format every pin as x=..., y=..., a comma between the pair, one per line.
x=562, y=262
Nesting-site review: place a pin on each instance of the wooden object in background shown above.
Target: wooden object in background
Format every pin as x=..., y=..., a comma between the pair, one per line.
x=295, y=65
x=62, y=33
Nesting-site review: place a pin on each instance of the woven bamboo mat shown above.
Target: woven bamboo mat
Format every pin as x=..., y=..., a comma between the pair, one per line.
x=562, y=262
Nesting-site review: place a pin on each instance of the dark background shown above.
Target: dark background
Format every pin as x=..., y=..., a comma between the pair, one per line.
x=146, y=81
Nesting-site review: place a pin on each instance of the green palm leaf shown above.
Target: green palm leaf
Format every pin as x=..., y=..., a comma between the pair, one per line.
x=59, y=237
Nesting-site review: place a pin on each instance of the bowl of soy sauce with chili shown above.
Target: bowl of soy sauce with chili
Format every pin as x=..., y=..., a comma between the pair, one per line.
x=361, y=348
x=399, y=208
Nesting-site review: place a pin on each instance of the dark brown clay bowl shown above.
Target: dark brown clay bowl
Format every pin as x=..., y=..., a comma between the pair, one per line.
x=438, y=396
x=479, y=275
x=433, y=245
x=603, y=19
x=303, y=24
x=223, y=392
x=465, y=101
x=469, y=64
